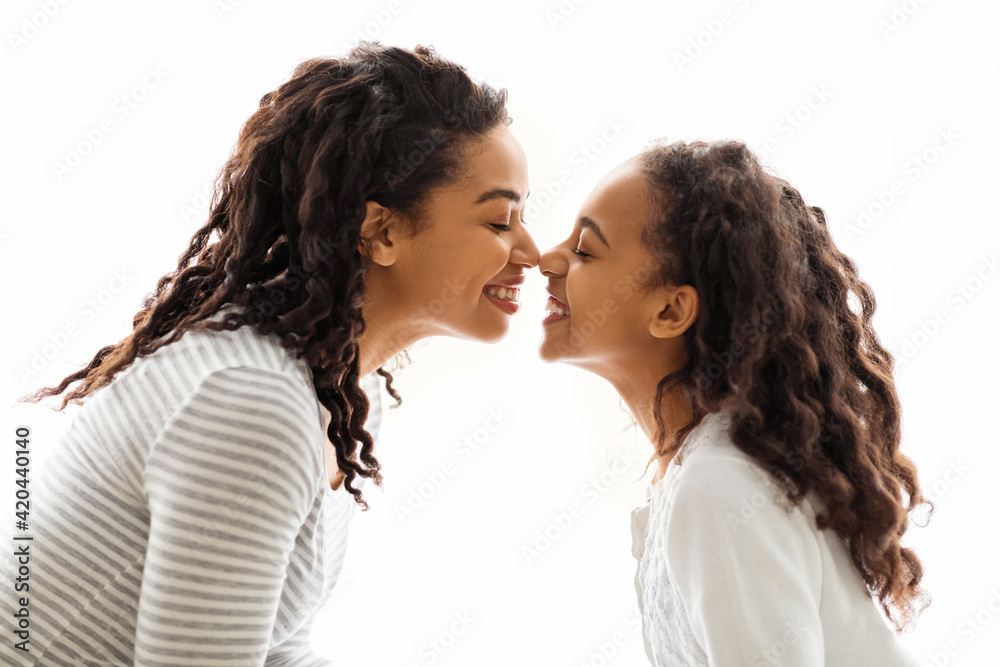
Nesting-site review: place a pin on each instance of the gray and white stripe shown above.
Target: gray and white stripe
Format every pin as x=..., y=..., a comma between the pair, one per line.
x=186, y=517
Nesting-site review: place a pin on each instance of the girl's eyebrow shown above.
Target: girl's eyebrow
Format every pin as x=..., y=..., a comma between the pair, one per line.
x=588, y=223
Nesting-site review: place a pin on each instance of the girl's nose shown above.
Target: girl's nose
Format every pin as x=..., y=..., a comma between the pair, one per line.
x=553, y=263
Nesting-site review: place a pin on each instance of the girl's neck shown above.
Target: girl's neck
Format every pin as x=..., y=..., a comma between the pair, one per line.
x=638, y=390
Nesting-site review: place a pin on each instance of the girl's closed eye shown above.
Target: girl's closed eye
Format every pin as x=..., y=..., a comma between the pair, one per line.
x=637, y=319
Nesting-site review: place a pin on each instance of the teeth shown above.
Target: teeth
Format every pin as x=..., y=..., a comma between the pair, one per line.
x=551, y=306
x=503, y=293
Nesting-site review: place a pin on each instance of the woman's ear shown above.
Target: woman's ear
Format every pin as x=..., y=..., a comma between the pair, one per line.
x=677, y=311
x=379, y=231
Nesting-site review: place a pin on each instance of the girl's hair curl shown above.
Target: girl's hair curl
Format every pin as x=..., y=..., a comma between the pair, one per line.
x=784, y=344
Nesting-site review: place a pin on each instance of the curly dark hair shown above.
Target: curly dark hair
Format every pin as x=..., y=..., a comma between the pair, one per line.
x=383, y=124
x=784, y=344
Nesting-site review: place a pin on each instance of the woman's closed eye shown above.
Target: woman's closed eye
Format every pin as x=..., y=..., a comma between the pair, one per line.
x=504, y=227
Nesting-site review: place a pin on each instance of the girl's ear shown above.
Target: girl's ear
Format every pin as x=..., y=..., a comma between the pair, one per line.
x=379, y=233
x=677, y=310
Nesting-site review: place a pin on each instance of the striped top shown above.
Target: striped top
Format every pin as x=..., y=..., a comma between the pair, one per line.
x=186, y=518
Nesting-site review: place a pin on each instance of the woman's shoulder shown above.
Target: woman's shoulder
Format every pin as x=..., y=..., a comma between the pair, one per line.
x=199, y=353
x=245, y=345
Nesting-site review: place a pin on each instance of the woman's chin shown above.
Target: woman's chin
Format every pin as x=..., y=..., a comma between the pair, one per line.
x=489, y=335
x=496, y=338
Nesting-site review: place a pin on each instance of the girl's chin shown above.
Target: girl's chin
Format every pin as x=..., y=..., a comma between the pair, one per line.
x=551, y=351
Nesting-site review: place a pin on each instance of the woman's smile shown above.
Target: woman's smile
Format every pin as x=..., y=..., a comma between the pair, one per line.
x=504, y=294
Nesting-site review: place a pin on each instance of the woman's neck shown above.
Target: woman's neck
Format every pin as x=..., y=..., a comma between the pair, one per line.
x=388, y=329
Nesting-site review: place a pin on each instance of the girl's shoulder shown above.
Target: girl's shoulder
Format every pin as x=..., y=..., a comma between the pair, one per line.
x=717, y=475
x=710, y=444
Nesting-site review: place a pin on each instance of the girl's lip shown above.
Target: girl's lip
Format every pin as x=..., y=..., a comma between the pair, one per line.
x=559, y=303
x=554, y=316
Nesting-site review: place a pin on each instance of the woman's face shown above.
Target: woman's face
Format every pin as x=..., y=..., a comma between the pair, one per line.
x=599, y=317
x=459, y=275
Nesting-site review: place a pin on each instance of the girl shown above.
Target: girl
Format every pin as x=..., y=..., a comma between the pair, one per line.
x=741, y=339
x=197, y=510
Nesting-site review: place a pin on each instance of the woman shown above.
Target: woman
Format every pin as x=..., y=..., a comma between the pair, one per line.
x=196, y=513
x=740, y=337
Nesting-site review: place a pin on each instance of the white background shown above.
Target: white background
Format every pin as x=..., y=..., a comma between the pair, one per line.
x=849, y=93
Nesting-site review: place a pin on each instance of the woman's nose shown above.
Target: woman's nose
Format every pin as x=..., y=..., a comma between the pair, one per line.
x=525, y=252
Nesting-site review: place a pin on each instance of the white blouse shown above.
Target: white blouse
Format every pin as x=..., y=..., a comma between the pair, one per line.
x=726, y=576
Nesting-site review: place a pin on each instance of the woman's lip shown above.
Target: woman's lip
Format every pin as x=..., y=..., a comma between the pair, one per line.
x=509, y=307
x=508, y=282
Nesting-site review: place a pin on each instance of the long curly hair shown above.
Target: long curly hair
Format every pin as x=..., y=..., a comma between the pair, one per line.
x=283, y=237
x=784, y=344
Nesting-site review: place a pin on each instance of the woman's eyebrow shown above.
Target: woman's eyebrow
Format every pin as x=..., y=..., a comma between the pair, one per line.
x=588, y=223
x=499, y=193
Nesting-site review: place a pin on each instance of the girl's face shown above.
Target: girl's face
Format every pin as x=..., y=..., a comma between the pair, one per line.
x=599, y=316
x=459, y=275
